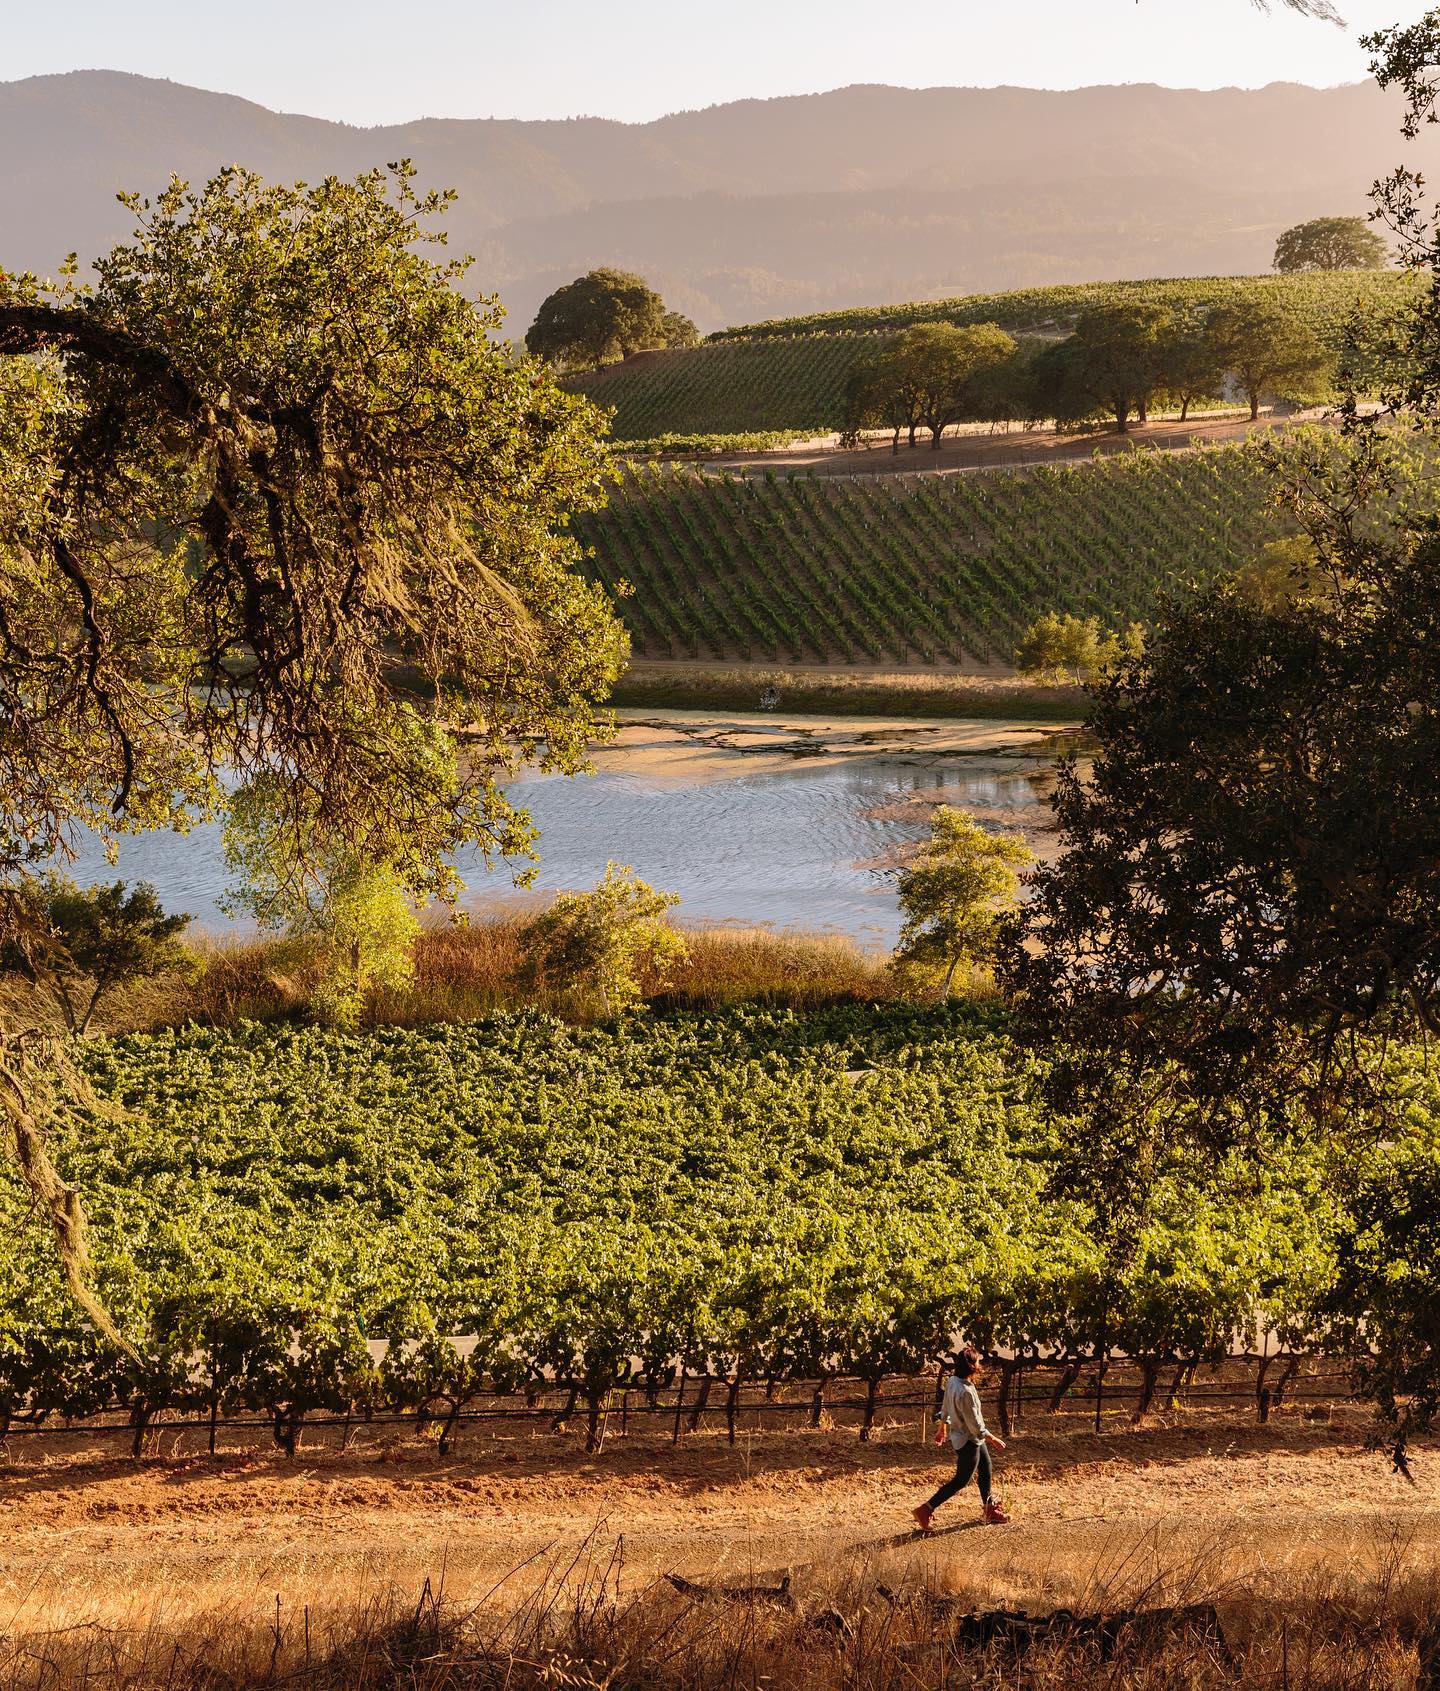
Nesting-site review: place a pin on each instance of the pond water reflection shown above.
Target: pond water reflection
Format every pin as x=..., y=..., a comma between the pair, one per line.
x=808, y=844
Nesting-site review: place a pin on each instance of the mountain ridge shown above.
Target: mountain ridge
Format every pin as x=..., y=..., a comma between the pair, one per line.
x=796, y=202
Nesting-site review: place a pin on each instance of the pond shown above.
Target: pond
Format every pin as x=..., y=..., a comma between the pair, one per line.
x=793, y=824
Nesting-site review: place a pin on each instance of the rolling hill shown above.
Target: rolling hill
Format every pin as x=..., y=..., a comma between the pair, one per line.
x=789, y=375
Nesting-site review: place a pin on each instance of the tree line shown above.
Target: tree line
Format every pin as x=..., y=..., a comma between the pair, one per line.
x=1121, y=362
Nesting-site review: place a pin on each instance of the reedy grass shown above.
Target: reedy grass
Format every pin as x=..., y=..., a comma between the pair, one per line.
x=463, y=973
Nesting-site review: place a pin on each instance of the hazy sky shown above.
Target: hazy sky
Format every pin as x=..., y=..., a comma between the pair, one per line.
x=373, y=61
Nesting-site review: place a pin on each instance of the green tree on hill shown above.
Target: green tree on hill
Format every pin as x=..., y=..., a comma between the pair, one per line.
x=1191, y=368
x=604, y=316
x=1268, y=351
x=951, y=364
x=1330, y=243
x=930, y=377
x=1112, y=365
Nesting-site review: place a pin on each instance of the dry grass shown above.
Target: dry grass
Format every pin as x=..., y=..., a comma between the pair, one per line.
x=690, y=686
x=464, y=973
x=570, y=1618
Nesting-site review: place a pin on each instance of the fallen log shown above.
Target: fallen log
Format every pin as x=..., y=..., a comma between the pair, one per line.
x=772, y=1596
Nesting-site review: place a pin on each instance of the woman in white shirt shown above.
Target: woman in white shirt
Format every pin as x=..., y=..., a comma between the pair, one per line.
x=963, y=1420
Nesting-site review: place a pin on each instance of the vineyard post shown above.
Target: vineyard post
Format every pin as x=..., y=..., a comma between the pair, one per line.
x=214, y=1387
x=679, y=1402
x=1102, y=1353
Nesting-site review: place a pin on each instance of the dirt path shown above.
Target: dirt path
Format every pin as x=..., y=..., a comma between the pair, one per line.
x=1018, y=449
x=91, y=1539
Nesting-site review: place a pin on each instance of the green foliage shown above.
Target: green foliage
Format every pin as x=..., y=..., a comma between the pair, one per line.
x=705, y=445
x=296, y=1220
x=961, y=882
x=1330, y=243
x=1269, y=352
x=83, y=943
x=1071, y=648
x=1112, y=365
x=603, y=316
x=1248, y=882
x=796, y=375
x=355, y=920
x=610, y=940
x=933, y=375
x=796, y=387
x=277, y=442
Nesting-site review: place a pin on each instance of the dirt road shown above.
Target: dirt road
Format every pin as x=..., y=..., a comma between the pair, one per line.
x=1018, y=449
x=93, y=1539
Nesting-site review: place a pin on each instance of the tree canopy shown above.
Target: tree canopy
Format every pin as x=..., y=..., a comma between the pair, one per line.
x=1330, y=243
x=931, y=376
x=603, y=316
x=275, y=506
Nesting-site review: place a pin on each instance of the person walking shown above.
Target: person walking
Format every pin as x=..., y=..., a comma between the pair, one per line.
x=962, y=1420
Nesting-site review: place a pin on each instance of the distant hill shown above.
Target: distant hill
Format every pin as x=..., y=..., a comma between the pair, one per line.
x=758, y=209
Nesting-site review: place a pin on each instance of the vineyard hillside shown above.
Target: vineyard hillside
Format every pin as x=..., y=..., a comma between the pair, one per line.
x=1324, y=298
x=789, y=374
x=906, y=568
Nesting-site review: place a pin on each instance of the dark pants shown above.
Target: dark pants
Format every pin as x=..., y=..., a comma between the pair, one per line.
x=972, y=1461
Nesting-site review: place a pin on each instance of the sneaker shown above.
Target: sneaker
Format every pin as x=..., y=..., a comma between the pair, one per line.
x=995, y=1516
x=922, y=1517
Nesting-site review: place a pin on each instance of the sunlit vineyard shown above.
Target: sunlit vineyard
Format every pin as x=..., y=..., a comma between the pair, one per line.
x=737, y=387
x=790, y=374
x=1323, y=298
x=877, y=569
x=292, y=1221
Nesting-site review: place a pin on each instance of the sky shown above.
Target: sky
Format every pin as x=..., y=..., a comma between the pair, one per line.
x=373, y=62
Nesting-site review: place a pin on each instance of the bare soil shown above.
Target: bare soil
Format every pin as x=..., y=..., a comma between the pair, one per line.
x=89, y=1538
x=1018, y=449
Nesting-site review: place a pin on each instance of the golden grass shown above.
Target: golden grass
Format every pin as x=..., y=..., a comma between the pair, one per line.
x=689, y=686
x=571, y=1618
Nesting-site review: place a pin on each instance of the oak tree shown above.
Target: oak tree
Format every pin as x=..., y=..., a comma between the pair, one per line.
x=275, y=505
x=1330, y=243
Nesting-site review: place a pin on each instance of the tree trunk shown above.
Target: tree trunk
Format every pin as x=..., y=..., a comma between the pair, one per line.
x=867, y=1425
x=914, y=427
x=594, y=1431
x=700, y=1402
x=949, y=980
x=1149, y=1375
x=935, y=436
x=679, y=1405
x=1007, y=1374
x=140, y=1413
x=732, y=1403
x=1069, y=1374
x=447, y=1432
x=1174, y=1392
x=1255, y=407
x=817, y=1402
x=567, y=1411
x=1292, y=1367
x=1184, y=407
